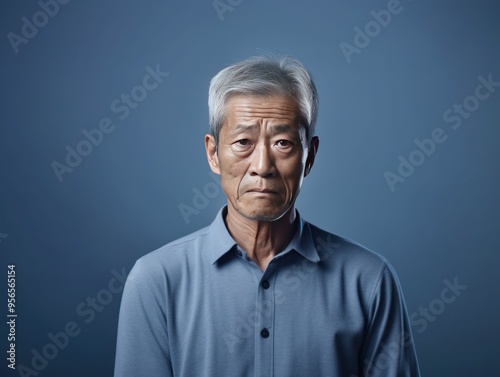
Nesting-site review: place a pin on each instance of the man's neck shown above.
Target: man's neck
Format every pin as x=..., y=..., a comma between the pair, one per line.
x=261, y=240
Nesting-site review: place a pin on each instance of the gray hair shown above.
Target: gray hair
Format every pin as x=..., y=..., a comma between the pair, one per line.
x=263, y=75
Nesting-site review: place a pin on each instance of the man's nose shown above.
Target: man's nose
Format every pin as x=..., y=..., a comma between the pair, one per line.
x=262, y=163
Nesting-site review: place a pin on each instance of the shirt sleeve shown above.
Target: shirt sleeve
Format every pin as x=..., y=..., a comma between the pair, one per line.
x=388, y=348
x=142, y=343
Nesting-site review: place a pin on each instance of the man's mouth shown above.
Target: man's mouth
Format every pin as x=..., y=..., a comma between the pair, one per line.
x=262, y=191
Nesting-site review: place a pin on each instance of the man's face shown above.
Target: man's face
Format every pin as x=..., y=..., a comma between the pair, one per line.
x=262, y=155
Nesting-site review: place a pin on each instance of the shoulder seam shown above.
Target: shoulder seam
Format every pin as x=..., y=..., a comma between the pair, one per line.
x=376, y=285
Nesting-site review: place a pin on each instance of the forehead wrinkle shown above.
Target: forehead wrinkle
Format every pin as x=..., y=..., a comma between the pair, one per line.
x=256, y=116
x=249, y=114
x=265, y=111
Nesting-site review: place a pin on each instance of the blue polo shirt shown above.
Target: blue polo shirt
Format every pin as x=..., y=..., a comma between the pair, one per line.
x=325, y=306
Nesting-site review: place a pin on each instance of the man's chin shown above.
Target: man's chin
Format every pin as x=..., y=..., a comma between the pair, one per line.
x=264, y=214
x=264, y=217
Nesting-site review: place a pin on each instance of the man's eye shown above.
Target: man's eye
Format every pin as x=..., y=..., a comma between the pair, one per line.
x=283, y=143
x=243, y=142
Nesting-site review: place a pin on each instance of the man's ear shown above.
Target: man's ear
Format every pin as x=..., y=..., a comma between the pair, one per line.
x=313, y=149
x=212, y=156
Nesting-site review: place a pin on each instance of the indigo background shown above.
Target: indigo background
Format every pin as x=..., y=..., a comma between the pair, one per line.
x=67, y=234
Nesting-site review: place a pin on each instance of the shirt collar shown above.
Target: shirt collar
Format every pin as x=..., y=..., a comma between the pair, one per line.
x=221, y=241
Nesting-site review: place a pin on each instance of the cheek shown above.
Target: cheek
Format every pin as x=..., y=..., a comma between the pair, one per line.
x=292, y=172
x=292, y=185
x=231, y=176
x=232, y=171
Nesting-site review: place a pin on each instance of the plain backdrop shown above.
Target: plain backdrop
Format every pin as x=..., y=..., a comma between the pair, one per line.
x=70, y=235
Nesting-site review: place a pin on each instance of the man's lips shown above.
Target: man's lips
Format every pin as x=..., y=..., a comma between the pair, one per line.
x=262, y=191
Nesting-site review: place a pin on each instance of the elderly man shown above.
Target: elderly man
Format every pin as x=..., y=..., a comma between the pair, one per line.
x=261, y=292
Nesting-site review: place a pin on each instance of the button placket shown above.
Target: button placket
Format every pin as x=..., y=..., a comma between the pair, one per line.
x=264, y=336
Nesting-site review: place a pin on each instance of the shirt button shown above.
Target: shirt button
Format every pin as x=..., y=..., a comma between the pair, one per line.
x=264, y=333
x=238, y=251
x=265, y=284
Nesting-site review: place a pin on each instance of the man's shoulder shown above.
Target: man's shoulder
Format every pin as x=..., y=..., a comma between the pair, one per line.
x=175, y=252
x=336, y=249
x=356, y=264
